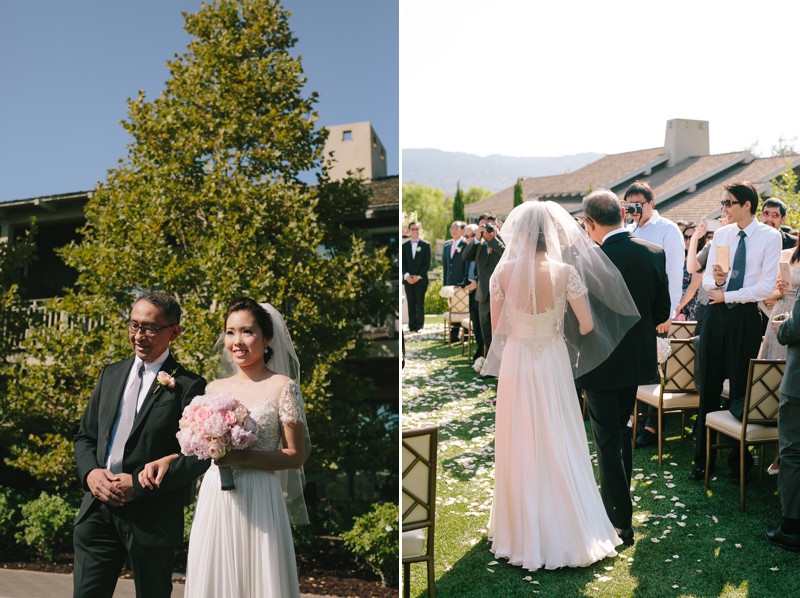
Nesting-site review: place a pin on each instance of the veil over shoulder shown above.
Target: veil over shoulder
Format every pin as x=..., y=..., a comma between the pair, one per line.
x=545, y=247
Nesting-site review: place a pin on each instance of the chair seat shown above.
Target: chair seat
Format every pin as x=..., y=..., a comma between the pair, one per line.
x=414, y=543
x=466, y=323
x=455, y=316
x=724, y=422
x=672, y=400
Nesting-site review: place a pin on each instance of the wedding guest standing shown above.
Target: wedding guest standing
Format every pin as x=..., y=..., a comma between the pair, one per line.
x=454, y=267
x=485, y=250
x=773, y=213
x=732, y=328
x=416, y=263
x=470, y=232
x=787, y=534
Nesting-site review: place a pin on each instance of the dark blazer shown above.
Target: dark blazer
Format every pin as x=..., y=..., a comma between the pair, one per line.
x=455, y=269
x=155, y=516
x=634, y=361
x=787, y=241
x=421, y=263
x=789, y=335
x=486, y=257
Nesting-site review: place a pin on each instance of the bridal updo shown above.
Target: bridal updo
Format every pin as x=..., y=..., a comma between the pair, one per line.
x=261, y=315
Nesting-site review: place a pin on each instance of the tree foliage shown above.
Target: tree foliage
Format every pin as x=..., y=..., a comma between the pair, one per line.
x=207, y=206
x=458, y=207
x=785, y=188
x=431, y=206
x=519, y=196
x=475, y=193
x=15, y=256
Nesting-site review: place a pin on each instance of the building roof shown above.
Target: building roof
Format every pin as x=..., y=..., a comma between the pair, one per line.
x=385, y=193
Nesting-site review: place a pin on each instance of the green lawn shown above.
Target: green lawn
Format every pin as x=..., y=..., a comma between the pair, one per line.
x=689, y=542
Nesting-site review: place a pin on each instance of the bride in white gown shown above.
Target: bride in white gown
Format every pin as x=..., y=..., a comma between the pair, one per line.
x=241, y=540
x=547, y=511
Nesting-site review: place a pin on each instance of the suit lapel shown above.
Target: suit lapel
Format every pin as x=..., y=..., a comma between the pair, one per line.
x=153, y=393
x=109, y=405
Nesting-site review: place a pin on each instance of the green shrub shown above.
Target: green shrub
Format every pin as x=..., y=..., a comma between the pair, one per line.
x=375, y=538
x=188, y=517
x=8, y=513
x=434, y=304
x=47, y=524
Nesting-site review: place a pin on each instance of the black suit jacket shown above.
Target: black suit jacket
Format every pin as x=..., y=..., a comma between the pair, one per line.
x=486, y=257
x=787, y=241
x=421, y=263
x=155, y=516
x=455, y=269
x=789, y=335
x=634, y=361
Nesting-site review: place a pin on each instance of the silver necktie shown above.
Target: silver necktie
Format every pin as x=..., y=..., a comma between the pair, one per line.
x=124, y=424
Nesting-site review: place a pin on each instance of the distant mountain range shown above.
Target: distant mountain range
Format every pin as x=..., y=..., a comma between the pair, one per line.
x=440, y=169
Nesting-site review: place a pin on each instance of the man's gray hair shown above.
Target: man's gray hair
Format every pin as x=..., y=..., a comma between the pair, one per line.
x=168, y=305
x=603, y=206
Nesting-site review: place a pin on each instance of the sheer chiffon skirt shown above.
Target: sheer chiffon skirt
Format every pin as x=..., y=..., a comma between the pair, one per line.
x=241, y=540
x=547, y=511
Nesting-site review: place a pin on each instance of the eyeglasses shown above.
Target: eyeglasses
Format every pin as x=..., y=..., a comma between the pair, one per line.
x=726, y=203
x=687, y=237
x=148, y=331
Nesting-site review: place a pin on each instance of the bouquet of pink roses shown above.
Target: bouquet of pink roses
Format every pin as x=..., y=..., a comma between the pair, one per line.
x=214, y=424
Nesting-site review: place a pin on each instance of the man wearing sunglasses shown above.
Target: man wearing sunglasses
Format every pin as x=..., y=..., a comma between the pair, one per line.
x=773, y=213
x=132, y=419
x=732, y=328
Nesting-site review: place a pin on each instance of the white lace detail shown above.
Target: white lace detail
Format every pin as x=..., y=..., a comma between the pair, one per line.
x=575, y=286
x=545, y=326
x=270, y=414
x=495, y=291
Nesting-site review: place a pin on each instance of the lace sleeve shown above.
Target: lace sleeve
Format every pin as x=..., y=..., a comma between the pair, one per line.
x=495, y=291
x=291, y=405
x=575, y=286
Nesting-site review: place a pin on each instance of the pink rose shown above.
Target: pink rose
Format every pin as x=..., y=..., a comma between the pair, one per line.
x=215, y=426
x=202, y=414
x=185, y=440
x=188, y=414
x=200, y=449
x=225, y=438
x=229, y=417
x=216, y=450
x=241, y=413
x=221, y=403
x=164, y=379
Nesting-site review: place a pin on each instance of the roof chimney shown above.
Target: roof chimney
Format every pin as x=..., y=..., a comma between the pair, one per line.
x=685, y=139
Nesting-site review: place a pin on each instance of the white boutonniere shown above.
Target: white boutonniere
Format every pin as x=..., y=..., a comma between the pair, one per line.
x=165, y=379
x=458, y=249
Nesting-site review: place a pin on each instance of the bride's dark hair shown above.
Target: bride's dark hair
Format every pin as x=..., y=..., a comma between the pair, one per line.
x=261, y=315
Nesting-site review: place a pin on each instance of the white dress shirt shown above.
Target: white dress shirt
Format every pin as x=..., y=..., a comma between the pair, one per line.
x=666, y=234
x=763, y=245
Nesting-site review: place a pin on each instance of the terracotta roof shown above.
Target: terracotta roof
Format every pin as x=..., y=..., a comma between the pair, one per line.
x=602, y=172
x=385, y=192
x=705, y=200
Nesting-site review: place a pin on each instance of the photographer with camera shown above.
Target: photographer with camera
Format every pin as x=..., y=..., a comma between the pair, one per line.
x=648, y=225
x=485, y=250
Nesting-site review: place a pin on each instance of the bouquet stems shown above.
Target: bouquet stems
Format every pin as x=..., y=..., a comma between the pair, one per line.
x=226, y=478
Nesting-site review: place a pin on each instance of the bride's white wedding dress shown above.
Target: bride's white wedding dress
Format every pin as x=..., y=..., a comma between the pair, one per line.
x=547, y=511
x=241, y=541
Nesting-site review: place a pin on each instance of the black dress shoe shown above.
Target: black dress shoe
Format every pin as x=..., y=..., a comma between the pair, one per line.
x=774, y=535
x=646, y=438
x=626, y=535
x=699, y=473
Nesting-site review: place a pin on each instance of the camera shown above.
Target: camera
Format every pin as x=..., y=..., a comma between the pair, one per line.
x=633, y=208
x=489, y=227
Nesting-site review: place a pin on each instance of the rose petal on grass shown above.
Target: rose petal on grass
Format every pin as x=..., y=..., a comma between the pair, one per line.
x=527, y=578
x=655, y=540
x=720, y=539
x=773, y=569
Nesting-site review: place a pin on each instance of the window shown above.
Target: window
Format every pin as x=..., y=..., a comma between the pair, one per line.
x=347, y=136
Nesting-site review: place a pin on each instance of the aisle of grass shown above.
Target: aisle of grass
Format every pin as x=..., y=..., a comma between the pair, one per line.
x=689, y=542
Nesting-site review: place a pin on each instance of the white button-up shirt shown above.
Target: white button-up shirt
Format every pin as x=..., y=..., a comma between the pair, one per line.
x=666, y=234
x=763, y=245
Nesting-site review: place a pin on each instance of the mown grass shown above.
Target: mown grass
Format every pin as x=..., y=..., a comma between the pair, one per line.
x=704, y=548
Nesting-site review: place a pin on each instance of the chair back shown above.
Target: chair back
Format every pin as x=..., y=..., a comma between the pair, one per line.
x=678, y=370
x=419, y=477
x=459, y=303
x=682, y=330
x=763, y=394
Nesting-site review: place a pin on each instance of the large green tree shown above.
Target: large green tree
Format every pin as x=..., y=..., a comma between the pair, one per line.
x=519, y=195
x=458, y=206
x=15, y=256
x=207, y=206
x=475, y=193
x=431, y=206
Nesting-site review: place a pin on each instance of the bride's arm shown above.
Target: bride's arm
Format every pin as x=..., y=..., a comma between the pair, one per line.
x=578, y=298
x=291, y=456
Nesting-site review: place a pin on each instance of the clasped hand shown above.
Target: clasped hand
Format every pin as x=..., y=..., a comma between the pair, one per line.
x=114, y=489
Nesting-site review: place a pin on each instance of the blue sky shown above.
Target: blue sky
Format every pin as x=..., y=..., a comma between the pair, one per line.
x=67, y=67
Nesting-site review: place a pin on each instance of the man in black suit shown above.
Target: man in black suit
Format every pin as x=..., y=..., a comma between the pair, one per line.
x=485, y=250
x=416, y=263
x=455, y=269
x=611, y=387
x=132, y=419
x=470, y=232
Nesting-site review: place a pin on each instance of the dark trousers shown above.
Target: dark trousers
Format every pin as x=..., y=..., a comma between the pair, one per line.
x=609, y=412
x=730, y=338
x=789, y=444
x=485, y=315
x=475, y=317
x=102, y=541
x=415, y=295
